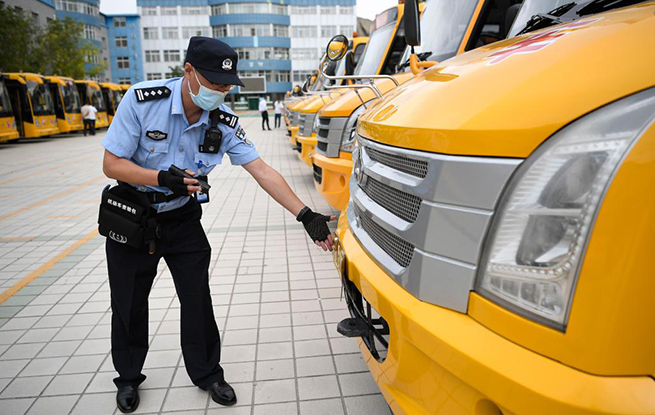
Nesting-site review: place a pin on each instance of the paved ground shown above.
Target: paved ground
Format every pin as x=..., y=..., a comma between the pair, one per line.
x=276, y=296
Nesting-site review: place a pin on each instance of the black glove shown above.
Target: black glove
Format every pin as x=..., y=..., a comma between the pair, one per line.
x=315, y=224
x=175, y=183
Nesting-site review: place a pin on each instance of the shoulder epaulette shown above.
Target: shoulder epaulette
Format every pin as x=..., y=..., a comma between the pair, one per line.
x=151, y=94
x=225, y=118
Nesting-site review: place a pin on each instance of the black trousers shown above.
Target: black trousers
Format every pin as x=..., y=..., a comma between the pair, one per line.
x=90, y=125
x=278, y=118
x=185, y=248
x=265, y=120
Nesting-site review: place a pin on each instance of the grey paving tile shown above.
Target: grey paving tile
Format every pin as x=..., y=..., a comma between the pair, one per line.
x=341, y=345
x=314, y=366
x=158, y=378
x=322, y=407
x=68, y=384
x=102, y=382
x=182, y=399
x=274, y=351
x=16, y=406
x=307, y=348
x=18, y=323
x=233, y=354
x=22, y=351
x=25, y=387
x=239, y=372
x=358, y=384
x=274, y=334
x=11, y=368
x=318, y=387
x=164, y=358
x=275, y=391
x=289, y=408
x=234, y=410
x=150, y=401
x=96, y=404
x=309, y=332
x=45, y=366
x=372, y=404
x=275, y=369
x=83, y=364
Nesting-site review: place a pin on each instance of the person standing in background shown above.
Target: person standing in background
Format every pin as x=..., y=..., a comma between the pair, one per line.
x=278, y=113
x=264, y=111
x=89, y=114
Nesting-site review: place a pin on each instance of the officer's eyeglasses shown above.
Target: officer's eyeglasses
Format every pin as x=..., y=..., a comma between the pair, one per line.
x=224, y=87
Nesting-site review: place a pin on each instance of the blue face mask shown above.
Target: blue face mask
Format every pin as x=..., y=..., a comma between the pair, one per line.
x=207, y=99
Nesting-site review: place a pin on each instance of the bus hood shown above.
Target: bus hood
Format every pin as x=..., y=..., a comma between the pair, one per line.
x=347, y=103
x=507, y=98
x=320, y=100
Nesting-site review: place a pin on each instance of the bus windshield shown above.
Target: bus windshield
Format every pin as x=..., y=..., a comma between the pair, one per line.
x=41, y=99
x=71, y=98
x=443, y=25
x=375, y=48
x=116, y=98
x=96, y=98
x=5, y=104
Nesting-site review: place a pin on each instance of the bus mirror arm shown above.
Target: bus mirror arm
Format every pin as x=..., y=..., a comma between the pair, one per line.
x=418, y=66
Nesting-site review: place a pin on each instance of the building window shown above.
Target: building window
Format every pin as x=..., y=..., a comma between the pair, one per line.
x=169, y=11
x=282, y=76
x=172, y=56
x=153, y=76
x=149, y=11
x=219, y=9
x=153, y=56
x=301, y=76
x=328, y=31
x=90, y=32
x=123, y=62
x=304, y=53
x=194, y=10
x=77, y=7
x=304, y=31
x=121, y=41
x=124, y=81
x=247, y=30
x=169, y=33
x=281, y=53
x=119, y=22
x=346, y=30
x=188, y=32
x=328, y=9
x=280, y=31
x=249, y=8
x=150, y=33
x=92, y=59
x=303, y=10
x=280, y=9
x=220, y=31
x=346, y=10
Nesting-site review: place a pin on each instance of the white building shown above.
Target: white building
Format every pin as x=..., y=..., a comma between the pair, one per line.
x=312, y=26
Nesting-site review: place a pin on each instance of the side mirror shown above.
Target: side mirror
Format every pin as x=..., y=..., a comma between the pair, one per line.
x=412, y=23
x=330, y=68
x=337, y=48
x=305, y=85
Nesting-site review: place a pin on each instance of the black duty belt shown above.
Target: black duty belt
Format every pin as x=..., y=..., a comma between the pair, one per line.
x=159, y=197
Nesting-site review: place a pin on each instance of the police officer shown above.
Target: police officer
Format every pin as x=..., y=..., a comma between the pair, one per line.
x=158, y=124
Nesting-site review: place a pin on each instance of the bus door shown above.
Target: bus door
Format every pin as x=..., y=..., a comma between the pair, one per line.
x=8, y=125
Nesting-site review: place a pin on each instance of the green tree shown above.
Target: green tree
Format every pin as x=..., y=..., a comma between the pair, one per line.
x=176, y=71
x=20, y=36
x=65, y=51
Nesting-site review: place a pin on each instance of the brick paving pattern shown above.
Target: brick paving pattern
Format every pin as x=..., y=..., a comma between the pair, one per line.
x=276, y=296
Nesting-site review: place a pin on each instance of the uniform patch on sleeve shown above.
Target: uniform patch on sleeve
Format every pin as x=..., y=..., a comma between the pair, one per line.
x=241, y=135
x=156, y=135
x=151, y=94
x=226, y=118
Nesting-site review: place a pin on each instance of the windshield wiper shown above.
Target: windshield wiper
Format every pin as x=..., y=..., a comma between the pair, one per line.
x=542, y=20
x=597, y=6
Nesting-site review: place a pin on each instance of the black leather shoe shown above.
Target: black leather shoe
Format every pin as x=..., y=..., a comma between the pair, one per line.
x=221, y=393
x=127, y=399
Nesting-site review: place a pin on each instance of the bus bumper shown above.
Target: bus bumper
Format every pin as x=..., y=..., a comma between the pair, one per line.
x=308, y=145
x=443, y=362
x=331, y=177
x=293, y=131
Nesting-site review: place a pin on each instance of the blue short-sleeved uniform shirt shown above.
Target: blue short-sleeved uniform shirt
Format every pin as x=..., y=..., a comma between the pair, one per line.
x=155, y=133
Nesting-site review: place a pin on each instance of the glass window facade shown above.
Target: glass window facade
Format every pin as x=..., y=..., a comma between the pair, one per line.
x=150, y=33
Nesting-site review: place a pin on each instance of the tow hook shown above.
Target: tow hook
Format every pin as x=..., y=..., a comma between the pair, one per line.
x=353, y=327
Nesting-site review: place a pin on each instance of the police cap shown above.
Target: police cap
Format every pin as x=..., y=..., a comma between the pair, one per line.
x=215, y=60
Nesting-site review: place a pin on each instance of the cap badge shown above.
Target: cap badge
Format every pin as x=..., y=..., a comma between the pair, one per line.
x=227, y=64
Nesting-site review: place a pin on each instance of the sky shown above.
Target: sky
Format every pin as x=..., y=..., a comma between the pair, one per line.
x=365, y=8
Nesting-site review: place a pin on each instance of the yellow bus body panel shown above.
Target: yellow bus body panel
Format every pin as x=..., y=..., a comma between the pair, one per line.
x=72, y=121
x=8, y=129
x=444, y=362
x=441, y=362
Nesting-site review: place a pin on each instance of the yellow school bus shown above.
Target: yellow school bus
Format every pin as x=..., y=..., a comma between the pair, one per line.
x=294, y=106
x=32, y=104
x=496, y=248
x=448, y=29
x=112, y=94
x=8, y=130
x=90, y=92
x=67, y=103
x=383, y=52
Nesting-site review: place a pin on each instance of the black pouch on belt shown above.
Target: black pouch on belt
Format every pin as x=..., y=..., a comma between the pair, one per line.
x=127, y=217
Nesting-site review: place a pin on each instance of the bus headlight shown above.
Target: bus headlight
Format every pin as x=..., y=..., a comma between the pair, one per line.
x=537, y=241
x=349, y=131
x=315, y=124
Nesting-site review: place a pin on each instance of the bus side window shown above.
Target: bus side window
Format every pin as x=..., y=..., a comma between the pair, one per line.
x=494, y=23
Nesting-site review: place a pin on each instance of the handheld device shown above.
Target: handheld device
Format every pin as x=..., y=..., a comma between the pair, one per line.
x=204, y=186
